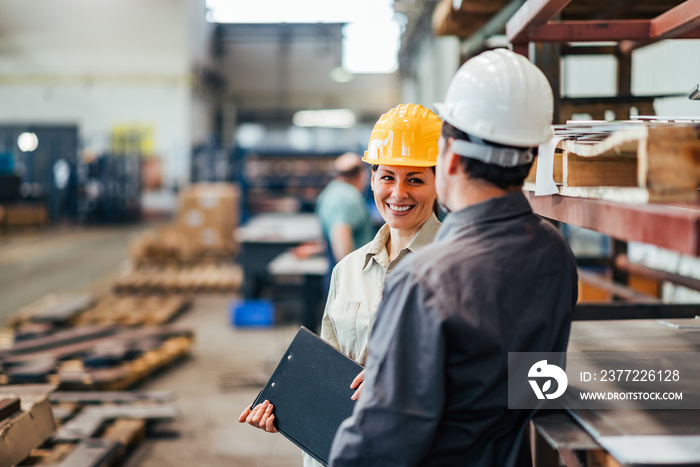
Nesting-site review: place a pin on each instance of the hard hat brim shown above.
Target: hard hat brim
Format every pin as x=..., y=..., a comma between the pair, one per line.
x=409, y=162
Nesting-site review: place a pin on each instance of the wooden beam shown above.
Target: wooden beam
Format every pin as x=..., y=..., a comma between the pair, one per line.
x=592, y=31
x=521, y=48
x=616, y=289
x=675, y=227
x=623, y=262
x=531, y=16
x=681, y=19
x=603, y=171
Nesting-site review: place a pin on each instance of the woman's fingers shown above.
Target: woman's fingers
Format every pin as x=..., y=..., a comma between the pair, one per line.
x=261, y=417
x=270, y=422
x=358, y=379
x=257, y=414
x=244, y=415
x=357, y=393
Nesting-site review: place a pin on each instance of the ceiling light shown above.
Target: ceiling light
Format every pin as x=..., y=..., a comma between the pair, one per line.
x=297, y=11
x=27, y=142
x=249, y=135
x=371, y=47
x=336, y=118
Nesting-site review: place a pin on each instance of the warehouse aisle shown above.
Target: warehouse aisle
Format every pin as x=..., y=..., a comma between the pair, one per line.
x=60, y=259
x=227, y=368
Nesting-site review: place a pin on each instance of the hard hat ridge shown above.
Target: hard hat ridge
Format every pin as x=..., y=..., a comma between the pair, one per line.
x=406, y=135
x=500, y=97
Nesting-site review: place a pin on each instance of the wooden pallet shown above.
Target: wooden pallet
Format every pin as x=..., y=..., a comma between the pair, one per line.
x=62, y=310
x=100, y=429
x=206, y=278
x=73, y=374
x=130, y=310
x=97, y=357
x=639, y=163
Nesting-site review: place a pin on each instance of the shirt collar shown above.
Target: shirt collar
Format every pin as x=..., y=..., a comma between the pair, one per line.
x=424, y=236
x=494, y=209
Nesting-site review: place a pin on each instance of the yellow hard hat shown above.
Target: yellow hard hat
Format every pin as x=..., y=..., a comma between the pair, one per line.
x=406, y=135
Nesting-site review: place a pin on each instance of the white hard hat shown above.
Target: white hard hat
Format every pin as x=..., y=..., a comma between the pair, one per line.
x=501, y=97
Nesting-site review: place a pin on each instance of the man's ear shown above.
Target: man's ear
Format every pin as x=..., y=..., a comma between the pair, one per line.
x=454, y=165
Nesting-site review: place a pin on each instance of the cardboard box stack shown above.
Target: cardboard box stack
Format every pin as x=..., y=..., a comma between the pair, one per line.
x=206, y=218
x=208, y=215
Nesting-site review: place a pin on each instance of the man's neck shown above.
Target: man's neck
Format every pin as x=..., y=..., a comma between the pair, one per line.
x=475, y=191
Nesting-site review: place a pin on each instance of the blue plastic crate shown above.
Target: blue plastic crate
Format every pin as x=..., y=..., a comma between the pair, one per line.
x=252, y=313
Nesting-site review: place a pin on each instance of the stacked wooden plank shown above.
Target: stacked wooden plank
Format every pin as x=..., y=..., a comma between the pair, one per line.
x=94, y=357
x=99, y=428
x=201, y=278
x=634, y=162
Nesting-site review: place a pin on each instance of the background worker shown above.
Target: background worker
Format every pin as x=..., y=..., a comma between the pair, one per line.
x=342, y=209
x=497, y=279
x=403, y=184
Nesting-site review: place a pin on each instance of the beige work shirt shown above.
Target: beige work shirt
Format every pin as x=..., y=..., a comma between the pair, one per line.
x=356, y=287
x=357, y=283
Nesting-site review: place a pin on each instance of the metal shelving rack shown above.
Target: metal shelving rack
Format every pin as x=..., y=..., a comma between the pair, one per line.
x=675, y=227
x=543, y=31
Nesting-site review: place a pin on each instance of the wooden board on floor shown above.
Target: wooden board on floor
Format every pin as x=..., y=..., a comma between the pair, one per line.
x=27, y=429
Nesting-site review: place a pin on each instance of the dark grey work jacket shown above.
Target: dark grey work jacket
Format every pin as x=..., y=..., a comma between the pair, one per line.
x=497, y=279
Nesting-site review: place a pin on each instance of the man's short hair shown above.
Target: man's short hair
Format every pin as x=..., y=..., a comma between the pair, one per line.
x=502, y=177
x=348, y=166
x=351, y=173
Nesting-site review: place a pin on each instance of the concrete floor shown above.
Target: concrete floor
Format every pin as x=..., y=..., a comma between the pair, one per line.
x=227, y=368
x=35, y=263
x=211, y=395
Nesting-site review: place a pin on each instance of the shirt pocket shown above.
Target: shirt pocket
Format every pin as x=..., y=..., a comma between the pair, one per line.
x=343, y=315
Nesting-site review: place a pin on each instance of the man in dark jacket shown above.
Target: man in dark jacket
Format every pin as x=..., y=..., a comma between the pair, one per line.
x=497, y=279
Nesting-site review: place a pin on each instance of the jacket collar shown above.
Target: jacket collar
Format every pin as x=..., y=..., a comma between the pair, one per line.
x=494, y=209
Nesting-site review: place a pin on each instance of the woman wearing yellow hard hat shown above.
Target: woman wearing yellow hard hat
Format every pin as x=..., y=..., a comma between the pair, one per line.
x=402, y=151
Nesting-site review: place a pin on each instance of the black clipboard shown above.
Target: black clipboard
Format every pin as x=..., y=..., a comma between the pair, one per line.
x=310, y=389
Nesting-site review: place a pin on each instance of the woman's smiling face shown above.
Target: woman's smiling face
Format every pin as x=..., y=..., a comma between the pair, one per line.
x=404, y=195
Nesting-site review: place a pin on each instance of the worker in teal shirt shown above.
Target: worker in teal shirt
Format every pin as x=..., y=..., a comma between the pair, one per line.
x=342, y=209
